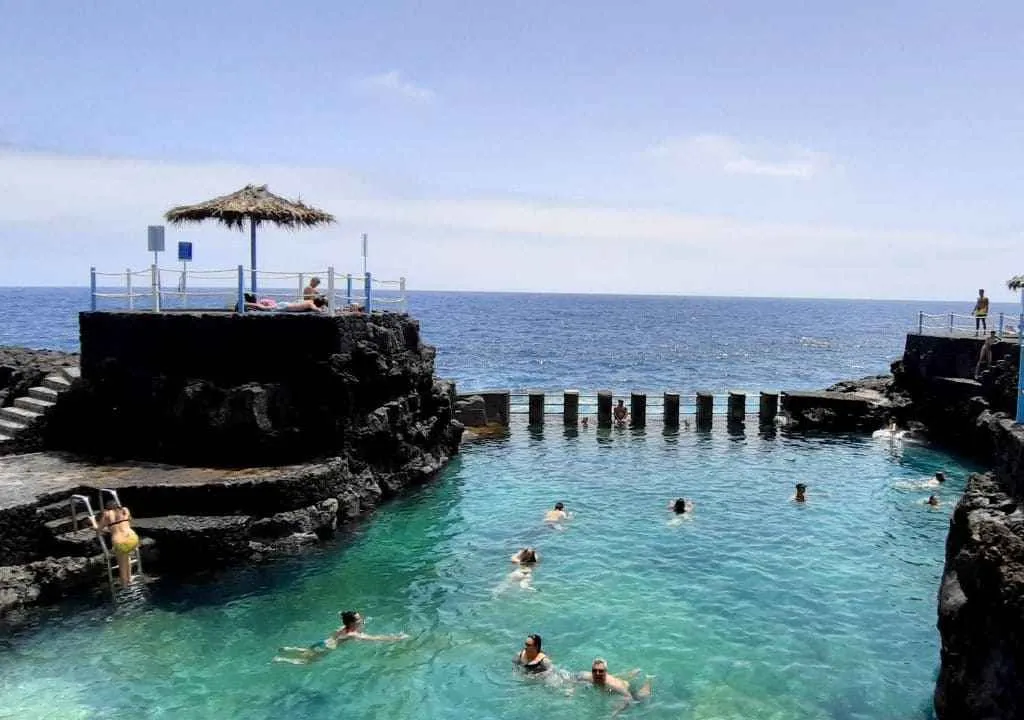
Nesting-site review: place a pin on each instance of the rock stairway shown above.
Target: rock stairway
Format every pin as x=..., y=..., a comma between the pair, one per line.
x=16, y=418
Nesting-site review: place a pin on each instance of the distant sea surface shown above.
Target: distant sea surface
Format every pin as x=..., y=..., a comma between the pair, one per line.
x=590, y=342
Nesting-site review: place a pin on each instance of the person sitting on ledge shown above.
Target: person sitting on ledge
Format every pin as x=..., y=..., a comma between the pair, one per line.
x=351, y=629
x=310, y=291
x=800, y=496
x=985, y=356
x=621, y=414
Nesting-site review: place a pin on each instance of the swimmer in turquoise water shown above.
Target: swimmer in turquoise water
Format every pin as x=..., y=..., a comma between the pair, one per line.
x=555, y=517
x=351, y=629
x=682, y=509
x=933, y=501
x=531, y=659
x=600, y=678
x=801, y=491
x=522, y=576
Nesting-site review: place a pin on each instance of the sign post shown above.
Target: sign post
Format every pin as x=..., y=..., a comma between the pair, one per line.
x=155, y=244
x=1020, y=362
x=185, y=256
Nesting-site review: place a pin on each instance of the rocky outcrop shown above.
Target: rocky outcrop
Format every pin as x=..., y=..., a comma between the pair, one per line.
x=230, y=390
x=24, y=368
x=270, y=431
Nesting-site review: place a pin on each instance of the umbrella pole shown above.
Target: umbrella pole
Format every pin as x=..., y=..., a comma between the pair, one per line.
x=252, y=253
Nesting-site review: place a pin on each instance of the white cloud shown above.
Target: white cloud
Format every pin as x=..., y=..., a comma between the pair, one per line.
x=392, y=84
x=720, y=153
x=61, y=214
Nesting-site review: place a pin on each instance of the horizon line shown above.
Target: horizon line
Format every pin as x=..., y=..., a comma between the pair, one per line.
x=598, y=294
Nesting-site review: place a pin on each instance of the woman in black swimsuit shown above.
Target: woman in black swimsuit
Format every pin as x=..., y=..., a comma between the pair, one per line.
x=530, y=659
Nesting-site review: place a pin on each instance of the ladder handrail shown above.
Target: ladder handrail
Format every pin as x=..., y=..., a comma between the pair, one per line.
x=110, y=561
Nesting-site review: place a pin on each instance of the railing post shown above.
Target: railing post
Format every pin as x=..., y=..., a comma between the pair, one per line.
x=401, y=289
x=241, y=289
x=737, y=408
x=536, y=407
x=951, y=323
x=302, y=286
x=331, y=305
x=348, y=289
x=92, y=289
x=128, y=284
x=184, y=284
x=920, y=322
x=154, y=272
x=369, y=281
x=1000, y=333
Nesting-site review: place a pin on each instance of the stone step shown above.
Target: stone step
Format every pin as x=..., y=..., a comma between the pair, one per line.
x=34, y=404
x=56, y=382
x=71, y=373
x=19, y=415
x=55, y=511
x=11, y=428
x=84, y=543
x=64, y=523
x=43, y=393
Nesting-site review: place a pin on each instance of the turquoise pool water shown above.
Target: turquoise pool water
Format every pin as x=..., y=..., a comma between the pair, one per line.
x=755, y=608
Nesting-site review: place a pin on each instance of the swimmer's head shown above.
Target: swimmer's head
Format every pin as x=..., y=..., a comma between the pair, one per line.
x=800, y=490
x=599, y=671
x=351, y=619
x=933, y=500
x=533, y=642
x=679, y=506
x=528, y=555
x=559, y=506
x=940, y=476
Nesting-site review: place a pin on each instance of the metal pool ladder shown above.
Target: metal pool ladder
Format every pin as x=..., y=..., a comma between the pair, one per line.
x=110, y=559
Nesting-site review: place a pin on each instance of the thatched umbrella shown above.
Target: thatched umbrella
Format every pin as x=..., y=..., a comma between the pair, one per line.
x=257, y=205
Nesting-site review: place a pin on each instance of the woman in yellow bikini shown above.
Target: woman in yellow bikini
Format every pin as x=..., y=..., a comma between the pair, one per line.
x=116, y=520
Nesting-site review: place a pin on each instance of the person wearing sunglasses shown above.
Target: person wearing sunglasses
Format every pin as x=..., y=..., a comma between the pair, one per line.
x=600, y=678
x=531, y=659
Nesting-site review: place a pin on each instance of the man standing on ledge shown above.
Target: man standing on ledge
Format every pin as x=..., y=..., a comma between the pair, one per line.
x=980, y=312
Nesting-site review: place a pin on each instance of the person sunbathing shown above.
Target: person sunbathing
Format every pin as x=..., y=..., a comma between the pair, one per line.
x=317, y=304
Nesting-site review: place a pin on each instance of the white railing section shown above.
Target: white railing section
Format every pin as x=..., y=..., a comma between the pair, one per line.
x=160, y=289
x=1004, y=324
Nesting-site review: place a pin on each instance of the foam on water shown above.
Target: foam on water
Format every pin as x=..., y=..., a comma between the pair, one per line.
x=756, y=608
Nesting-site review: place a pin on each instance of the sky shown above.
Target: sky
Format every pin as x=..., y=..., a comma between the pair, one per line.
x=864, y=150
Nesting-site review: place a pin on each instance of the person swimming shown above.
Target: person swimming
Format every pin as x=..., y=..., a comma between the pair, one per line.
x=801, y=495
x=531, y=659
x=933, y=500
x=351, y=629
x=932, y=482
x=600, y=678
x=682, y=509
x=526, y=556
x=556, y=516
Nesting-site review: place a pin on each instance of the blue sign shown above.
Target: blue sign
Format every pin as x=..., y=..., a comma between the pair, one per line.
x=185, y=251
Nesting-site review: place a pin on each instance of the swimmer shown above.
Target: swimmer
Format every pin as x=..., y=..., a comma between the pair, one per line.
x=800, y=496
x=940, y=477
x=937, y=481
x=526, y=556
x=682, y=509
x=584, y=422
x=351, y=629
x=531, y=660
x=554, y=517
x=933, y=501
x=600, y=678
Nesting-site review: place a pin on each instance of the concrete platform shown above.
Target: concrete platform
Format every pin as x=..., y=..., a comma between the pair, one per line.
x=33, y=478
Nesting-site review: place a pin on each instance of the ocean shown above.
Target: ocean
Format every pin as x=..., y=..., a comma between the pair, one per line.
x=595, y=342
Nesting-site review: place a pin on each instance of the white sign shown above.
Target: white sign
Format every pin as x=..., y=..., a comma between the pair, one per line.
x=156, y=238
